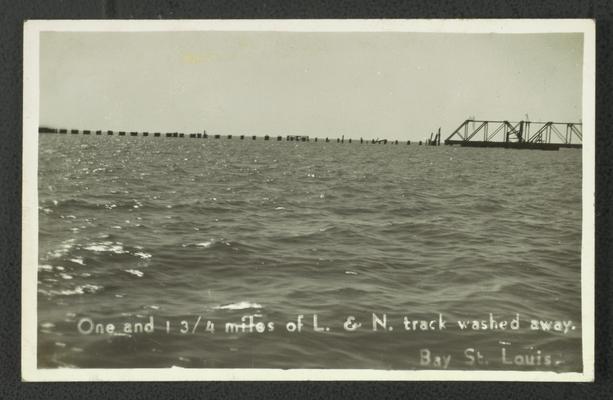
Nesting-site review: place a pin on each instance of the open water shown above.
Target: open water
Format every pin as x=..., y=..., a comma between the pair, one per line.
x=196, y=233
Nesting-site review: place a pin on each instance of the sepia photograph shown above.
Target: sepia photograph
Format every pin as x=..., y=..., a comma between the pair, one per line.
x=308, y=200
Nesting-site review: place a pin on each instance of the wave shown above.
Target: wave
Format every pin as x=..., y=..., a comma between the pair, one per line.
x=78, y=290
x=241, y=305
x=112, y=247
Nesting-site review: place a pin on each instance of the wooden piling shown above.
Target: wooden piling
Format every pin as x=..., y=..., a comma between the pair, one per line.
x=434, y=139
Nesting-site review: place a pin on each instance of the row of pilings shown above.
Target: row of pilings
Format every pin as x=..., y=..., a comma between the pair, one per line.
x=205, y=135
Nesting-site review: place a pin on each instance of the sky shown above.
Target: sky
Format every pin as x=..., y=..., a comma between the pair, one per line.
x=394, y=85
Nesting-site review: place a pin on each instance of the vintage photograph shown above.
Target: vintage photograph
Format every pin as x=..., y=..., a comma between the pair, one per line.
x=367, y=197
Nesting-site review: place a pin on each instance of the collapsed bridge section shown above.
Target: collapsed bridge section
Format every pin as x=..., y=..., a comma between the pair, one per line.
x=519, y=135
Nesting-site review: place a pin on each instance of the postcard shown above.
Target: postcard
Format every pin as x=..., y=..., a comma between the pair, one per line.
x=308, y=200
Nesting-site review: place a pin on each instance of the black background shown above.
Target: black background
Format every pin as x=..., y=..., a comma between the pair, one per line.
x=14, y=13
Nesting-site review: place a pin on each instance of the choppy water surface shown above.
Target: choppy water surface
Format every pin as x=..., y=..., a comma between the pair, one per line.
x=179, y=229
